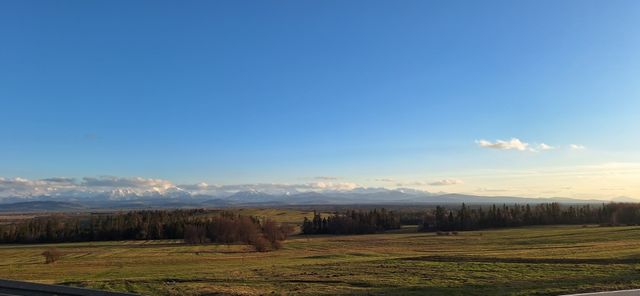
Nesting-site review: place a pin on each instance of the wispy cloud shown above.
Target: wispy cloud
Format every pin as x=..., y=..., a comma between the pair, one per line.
x=411, y=183
x=90, y=136
x=577, y=147
x=119, y=182
x=194, y=187
x=60, y=180
x=513, y=144
x=446, y=182
x=543, y=146
x=329, y=186
x=387, y=180
x=443, y=182
x=484, y=189
x=519, y=145
x=327, y=178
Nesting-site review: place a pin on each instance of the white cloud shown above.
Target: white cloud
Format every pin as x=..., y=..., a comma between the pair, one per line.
x=135, y=183
x=385, y=180
x=513, y=144
x=446, y=182
x=443, y=182
x=413, y=183
x=195, y=187
x=137, y=186
x=543, y=146
x=25, y=187
x=577, y=147
x=326, y=178
x=485, y=189
x=60, y=180
x=277, y=188
x=328, y=186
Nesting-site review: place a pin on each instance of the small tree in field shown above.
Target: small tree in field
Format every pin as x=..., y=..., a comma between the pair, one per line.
x=51, y=255
x=275, y=233
x=260, y=243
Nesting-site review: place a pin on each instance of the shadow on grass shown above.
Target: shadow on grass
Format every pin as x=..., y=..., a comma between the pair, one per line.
x=628, y=280
x=598, y=261
x=625, y=280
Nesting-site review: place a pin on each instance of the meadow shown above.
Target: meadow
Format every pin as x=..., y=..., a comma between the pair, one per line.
x=546, y=260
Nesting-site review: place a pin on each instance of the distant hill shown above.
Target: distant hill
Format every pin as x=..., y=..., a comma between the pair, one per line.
x=41, y=206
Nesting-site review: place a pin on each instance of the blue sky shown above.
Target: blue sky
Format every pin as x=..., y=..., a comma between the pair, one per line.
x=373, y=93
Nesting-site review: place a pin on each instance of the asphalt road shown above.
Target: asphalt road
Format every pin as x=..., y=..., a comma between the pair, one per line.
x=17, y=288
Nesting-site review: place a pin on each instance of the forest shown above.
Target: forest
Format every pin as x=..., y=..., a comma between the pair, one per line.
x=194, y=226
x=352, y=222
x=476, y=217
x=479, y=217
x=197, y=226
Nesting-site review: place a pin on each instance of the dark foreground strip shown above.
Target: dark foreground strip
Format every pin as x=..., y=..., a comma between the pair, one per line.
x=16, y=288
x=599, y=261
x=611, y=293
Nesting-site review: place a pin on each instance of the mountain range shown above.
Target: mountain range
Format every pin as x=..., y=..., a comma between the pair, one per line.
x=180, y=199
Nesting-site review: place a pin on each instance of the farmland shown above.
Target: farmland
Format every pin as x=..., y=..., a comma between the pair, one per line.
x=522, y=261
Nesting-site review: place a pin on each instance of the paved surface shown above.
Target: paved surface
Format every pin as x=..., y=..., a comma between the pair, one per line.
x=611, y=293
x=17, y=288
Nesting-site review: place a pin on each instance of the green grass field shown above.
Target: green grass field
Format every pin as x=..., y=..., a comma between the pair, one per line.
x=522, y=261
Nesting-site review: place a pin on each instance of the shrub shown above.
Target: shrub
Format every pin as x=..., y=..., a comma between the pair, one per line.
x=275, y=233
x=260, y=243
x=51, y=255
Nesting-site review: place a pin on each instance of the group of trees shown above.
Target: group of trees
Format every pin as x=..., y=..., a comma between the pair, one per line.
x=351, y=222
x=143, y=225
x=464, y=217
x=237, y=229
x=192, y=225
x=480, y=217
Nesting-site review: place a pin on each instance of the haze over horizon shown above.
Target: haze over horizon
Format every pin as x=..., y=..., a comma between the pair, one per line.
x=500, y=98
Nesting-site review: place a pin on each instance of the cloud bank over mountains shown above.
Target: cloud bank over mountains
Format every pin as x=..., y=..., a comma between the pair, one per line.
x=129, y=187
x=146, y=192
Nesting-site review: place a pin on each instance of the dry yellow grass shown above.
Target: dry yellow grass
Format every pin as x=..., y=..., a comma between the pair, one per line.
x=535, y=260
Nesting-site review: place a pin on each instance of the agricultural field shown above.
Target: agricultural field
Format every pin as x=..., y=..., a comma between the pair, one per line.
x=547, y=260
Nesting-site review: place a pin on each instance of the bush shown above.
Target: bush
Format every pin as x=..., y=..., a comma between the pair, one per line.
x=260, y=243
x=51, y=255
x=277, y=245
x=275, y=233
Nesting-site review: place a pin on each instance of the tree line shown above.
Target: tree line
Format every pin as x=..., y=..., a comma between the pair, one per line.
x=351, y=222
x=482, y=217
x=464, y=217
x=194, y=226
x=202, y=226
